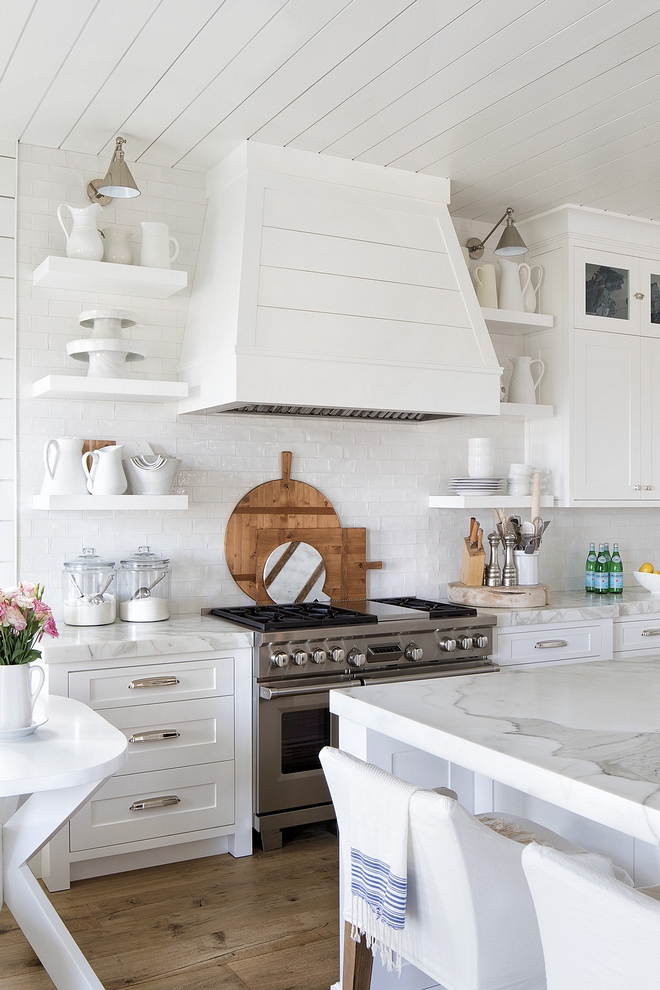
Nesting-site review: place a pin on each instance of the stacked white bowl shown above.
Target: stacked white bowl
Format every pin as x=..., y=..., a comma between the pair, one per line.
x=481, y=457
x=519, y=479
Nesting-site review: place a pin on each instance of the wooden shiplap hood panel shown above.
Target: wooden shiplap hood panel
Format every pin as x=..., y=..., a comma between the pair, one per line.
x=335, y=288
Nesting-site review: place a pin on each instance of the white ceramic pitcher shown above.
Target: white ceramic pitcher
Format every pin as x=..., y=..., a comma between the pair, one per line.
x=511, y=293
x=530, y=289
x=486, y=285
x=85, y=240
x=116, y=247
x=522, y=387
x=20, y=684
x=64, y=474
x=105, y=475
x=155, y=250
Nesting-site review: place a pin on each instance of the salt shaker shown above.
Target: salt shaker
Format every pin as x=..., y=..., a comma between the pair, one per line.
x=493, y=571
x=509, y=573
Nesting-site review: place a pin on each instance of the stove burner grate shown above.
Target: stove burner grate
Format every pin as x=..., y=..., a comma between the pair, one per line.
x=435, y=610
x=303, y=616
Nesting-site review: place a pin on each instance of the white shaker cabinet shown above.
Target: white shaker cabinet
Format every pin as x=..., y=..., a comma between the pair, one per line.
x=185, y=790
x=616, y=293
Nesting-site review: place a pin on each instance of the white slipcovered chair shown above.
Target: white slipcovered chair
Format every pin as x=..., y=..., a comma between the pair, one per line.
x=597, y=933
x=470, y=921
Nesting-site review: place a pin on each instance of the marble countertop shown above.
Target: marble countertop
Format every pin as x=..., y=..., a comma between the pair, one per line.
x=573, y=606
x=583, y=736
x=182, y=634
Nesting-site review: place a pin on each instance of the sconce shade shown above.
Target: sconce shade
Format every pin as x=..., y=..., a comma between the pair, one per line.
x=119, y=183
x=511, y=243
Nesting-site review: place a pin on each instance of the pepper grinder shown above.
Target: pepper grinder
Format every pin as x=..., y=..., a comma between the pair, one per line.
x=493, y=571
x=509, y=573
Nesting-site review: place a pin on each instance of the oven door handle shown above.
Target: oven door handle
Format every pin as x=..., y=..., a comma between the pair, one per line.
x=267, y=693
x=433, y=675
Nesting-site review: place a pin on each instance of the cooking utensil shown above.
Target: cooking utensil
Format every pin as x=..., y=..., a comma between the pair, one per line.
x=146, y=592
x=99, y=599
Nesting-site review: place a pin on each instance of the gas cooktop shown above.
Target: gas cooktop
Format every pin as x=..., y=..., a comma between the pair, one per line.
x=306, y=615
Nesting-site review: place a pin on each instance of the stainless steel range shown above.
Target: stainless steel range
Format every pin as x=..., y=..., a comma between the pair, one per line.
x=303, y=651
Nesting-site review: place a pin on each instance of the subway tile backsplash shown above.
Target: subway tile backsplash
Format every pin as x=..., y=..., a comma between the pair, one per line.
x=377, y=475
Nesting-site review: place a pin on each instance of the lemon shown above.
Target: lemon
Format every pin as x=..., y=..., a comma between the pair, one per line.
x=647, y=569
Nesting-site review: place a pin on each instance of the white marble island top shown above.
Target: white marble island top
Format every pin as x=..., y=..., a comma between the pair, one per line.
x=574, y=606
x=584, y=736
x=182, y=634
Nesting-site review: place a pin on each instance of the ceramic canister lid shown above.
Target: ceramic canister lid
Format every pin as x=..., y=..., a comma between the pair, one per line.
x=88, y=560
x=145, y=559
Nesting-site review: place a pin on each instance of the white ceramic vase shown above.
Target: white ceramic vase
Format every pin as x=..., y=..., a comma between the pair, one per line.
x=116, y=246
x=522, y=387
x=85, y=240
x=158, y=249
x=511, y=293
x=486, y=285
x=64, y=474
x=530, y=288
x=20, y=685
x=105, y=474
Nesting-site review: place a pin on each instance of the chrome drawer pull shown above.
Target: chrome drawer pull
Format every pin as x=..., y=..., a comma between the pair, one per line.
x=550, y=644
x=160, y=802
x=154, y=735
x=147, y=682
x=651, y=632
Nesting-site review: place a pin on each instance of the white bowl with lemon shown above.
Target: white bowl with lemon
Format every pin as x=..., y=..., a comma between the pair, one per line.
x=648, y=578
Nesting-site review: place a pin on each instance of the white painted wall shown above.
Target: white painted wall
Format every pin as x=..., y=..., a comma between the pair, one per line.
x=376, y=475
x=7, y=365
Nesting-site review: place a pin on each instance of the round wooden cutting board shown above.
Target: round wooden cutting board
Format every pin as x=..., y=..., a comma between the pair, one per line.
x=283, y=504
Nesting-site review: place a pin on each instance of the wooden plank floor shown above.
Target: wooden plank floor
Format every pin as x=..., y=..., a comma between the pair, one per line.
x=265, y=922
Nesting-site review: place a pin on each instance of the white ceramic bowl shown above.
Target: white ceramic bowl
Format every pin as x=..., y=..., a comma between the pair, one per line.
x=651, y=582
x=522, y=469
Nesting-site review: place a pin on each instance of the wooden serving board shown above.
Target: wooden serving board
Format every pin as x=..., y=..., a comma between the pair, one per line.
x=522, y=596
x=287, y=507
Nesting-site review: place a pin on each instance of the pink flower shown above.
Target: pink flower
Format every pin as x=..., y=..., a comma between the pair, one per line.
x=27, y=588
x=50, y=628
x=39, y=607
x=14, y=617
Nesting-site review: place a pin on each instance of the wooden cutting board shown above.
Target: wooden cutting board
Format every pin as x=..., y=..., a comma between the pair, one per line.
x=286, y=506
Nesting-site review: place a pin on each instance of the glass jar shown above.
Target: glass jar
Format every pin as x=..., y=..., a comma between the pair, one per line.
x=144, y=587
x=89, y=594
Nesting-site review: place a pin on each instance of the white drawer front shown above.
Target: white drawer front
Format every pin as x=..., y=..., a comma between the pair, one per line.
x=205, y=733
x=561, y=643
x=143, y=685
x=206, y=800
x=640, y=634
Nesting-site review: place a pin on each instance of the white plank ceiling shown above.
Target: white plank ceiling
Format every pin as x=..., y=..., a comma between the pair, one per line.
x=532, y=103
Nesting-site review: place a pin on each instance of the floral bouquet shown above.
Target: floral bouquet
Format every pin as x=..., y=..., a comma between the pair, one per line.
x=24, y=620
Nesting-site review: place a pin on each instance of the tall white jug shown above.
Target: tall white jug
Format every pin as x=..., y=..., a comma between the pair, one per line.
x=64, y=474
x=522, y=387
x=85, y=240
x=511, y=296
x=106, y=475
x=486, y=285
x=155, y=249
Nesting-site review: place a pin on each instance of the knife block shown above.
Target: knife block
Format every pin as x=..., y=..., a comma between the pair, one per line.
x=473, y=563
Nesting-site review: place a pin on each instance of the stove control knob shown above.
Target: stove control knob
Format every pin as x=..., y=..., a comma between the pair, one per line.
x=413, y=652
x=357, y=659
x=481, y=641
x=337, y=654
x=319, y=656
x=448, y=645
x=280, y=659
x=300, y=658
x=465, y=643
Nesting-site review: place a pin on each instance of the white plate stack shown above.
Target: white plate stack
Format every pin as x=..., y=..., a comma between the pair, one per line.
x=477, y=486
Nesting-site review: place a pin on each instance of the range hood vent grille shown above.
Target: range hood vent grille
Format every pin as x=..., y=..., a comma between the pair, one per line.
x=327, y=412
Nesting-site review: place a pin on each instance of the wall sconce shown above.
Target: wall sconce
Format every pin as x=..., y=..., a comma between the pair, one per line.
x=511, y=243
x=118, y=183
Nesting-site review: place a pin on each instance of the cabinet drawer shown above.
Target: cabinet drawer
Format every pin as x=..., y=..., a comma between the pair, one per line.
x=206, y=800
x=205, y=733
x=560, y=643
x=140, y=685
x=640, y=634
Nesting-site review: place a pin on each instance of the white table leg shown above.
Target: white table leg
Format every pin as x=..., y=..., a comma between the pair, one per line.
x=29, y=828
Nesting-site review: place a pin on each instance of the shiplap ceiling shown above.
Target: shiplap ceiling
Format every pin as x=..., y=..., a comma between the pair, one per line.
x=532, y=103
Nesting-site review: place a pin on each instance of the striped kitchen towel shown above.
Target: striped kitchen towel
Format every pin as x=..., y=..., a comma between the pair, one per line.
x=376, y=804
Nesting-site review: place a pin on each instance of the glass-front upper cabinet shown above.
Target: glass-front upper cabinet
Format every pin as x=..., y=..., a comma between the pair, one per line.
x=617, y=293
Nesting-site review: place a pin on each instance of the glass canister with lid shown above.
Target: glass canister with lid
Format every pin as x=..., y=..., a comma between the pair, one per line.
x=144, y=587
x=89, y=590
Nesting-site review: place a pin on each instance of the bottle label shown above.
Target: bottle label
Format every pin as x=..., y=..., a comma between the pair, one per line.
x=616, y=581
x=589, y=581
x=602, y=581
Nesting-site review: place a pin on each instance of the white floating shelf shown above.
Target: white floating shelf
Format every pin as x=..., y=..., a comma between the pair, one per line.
x=524, y=410
x=103, y=276
x=110, y=502
x=108, y=389
x=487, y=501
x=507, y=321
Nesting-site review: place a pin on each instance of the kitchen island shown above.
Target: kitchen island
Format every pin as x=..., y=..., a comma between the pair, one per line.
x=575, y=747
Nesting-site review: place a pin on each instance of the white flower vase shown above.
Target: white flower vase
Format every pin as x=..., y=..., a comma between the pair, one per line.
x=20, y=685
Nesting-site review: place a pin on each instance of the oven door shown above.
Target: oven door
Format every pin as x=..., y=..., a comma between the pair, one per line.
x=291, y=729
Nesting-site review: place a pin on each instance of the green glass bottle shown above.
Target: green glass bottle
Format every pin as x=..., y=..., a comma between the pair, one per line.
x=602, y=572
x=616, y=572
x=590, y=568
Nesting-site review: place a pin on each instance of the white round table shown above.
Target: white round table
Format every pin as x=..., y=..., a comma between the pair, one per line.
x=45, y=778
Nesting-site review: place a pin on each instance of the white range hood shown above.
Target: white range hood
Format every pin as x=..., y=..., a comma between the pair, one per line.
x=334, y=288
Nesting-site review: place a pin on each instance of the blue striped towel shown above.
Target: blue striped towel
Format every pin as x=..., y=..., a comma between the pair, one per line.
x=377, y=806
